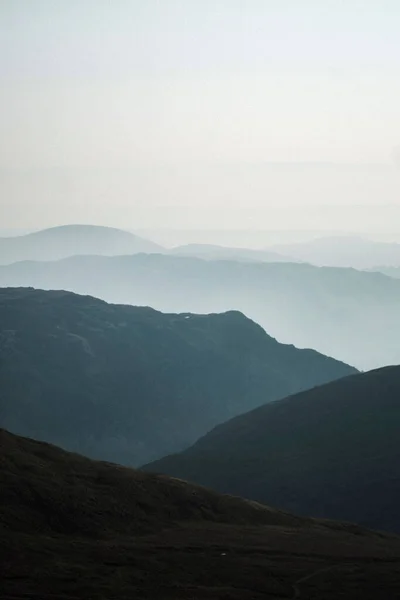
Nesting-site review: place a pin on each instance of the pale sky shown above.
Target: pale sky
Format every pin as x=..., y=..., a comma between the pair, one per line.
x=110, y=109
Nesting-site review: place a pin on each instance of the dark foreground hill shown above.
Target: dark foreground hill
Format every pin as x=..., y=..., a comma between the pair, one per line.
x=351, y=315
x=131, y=384
x=333, y=451
x=74, y=528
x=68, y=240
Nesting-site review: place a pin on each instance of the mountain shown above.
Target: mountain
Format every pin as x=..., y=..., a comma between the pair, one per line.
x=343, y=251
x=131, y=384
x=332, y=452
x=68, y=240
x=389, y=271
x=75, y=528
x=214, y=252
x=253, y=237
x=348, y=314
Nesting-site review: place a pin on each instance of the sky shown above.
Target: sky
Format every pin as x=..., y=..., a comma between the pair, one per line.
x=180, y=113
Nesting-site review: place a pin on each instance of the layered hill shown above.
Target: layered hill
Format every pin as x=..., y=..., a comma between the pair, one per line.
x=68, y=240
x=48, y=490
x=131, y=384
x=350, y=315
x=215, y=252
x=75, y=528
x=390, y=271
x=333, y=451
x=343, y=251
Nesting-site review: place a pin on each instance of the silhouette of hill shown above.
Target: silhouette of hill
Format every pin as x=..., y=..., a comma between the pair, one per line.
x=62, y=485
x=131, y=384
x=214, y=252
x=68, y=240
x=74, y=528
x=333, y=451
x=350, y=315
x=343, y=251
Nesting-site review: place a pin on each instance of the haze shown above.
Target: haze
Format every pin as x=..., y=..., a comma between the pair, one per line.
x=185, y=114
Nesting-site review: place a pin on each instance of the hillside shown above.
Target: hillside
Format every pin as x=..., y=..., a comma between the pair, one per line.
x=68, y=240
x=74, y=528
x=347, y=314
x=333, y=451
x=39, y=480
x=215, y=252
x=343, y=251
x=131, y=384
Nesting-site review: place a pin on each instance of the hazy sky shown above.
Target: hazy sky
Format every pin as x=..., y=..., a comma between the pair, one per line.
x=123, y=111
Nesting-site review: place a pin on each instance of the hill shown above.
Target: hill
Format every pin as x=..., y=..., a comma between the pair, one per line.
x=214, y=252
x=343, y=251
x=333, y=451
x=131, y=384
x=389, y=271
x=74, y=528
x=68, y=240
x=350, y=315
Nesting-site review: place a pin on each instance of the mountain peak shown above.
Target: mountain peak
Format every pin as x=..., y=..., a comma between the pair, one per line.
x=130, y=383
x=75, y=239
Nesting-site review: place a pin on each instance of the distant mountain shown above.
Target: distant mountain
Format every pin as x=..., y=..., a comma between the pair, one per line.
x=351, y=315
x=389, y=271
x=244, y=237
x=131, y=384
x=343, y=251
x=213, y=252
x=76, y=528
x=332, y=452
x=69, y=240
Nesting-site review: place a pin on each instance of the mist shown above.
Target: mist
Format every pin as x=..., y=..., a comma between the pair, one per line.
x=214, y=116
x=199, y=298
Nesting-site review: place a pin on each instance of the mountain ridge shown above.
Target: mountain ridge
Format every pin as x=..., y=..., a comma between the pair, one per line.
x=348, y=314
x=216, y=252
x=331, y=452
x=136, y=383
x=343, y=251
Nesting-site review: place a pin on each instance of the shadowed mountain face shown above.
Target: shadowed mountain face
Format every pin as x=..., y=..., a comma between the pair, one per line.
x=76, y=528
x=69, y=240
x=351, y=315
x=131, y=384
x=333, y=451
x=343, y=251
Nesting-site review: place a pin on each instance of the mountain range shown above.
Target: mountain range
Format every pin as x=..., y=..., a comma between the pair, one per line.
x=342, y=251
x=344, y=313
x=214, y=252
x=75, y=528
x=131, y=384
x=389, y=271
x=332, y=452
x=68, y=240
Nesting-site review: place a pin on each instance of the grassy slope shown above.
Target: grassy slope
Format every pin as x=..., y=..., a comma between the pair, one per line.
x=332, y=451
x=74, y=528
